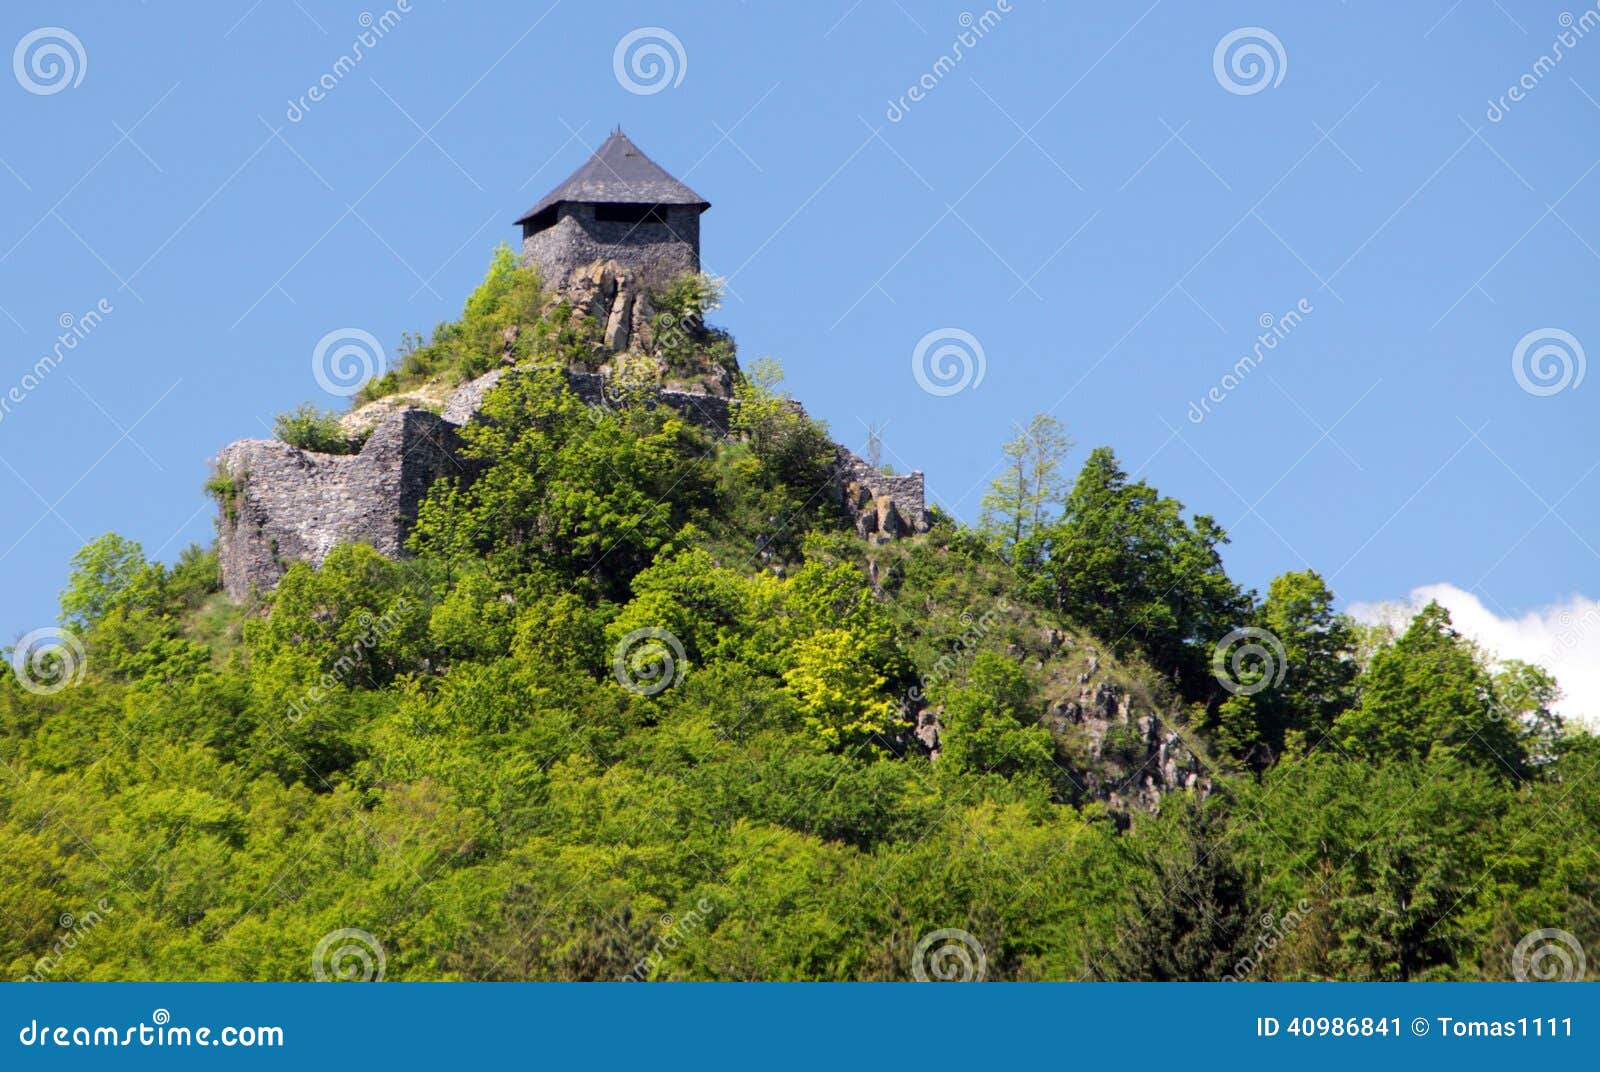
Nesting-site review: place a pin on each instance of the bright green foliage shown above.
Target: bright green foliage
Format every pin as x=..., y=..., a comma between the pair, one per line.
x=504, y=319
x=439, y=750
x=840, y=687
x=594, y=493
x=313, y=429
x=680, y=338
x=990, y=725
x=107, y=572
x=1429, y=696
x=1394, y=863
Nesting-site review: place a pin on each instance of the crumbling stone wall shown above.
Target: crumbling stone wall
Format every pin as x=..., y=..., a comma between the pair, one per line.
x=883, y=506
x=289, y=505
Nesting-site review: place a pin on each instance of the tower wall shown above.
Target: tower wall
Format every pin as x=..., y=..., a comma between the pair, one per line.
x=655, y=252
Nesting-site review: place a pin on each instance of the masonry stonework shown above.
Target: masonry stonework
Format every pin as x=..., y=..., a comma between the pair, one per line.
x=656, y=252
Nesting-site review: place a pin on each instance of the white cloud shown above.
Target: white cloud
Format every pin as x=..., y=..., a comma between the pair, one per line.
x=1564, y=638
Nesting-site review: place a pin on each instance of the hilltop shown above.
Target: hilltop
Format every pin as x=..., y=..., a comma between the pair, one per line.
x=576, y=649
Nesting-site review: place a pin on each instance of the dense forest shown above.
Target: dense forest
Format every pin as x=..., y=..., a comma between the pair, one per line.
x=642, y=704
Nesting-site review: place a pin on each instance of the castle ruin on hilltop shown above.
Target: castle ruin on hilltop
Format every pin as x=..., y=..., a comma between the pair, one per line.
x=606, y=239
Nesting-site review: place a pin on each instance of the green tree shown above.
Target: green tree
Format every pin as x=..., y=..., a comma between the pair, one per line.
x=1189, y=914
x=990, y=725
x=1029, y=486
x=313, y=429
x=1429, y=695
x=107, y=572
x=1318, y=674
x=1125, y=564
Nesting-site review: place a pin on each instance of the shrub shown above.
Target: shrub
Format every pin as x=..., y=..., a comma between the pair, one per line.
x=310, y=428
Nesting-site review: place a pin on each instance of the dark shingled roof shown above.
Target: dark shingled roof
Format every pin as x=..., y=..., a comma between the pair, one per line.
x=619, y=174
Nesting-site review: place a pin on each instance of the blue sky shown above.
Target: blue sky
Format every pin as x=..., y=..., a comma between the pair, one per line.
x=1088, y=192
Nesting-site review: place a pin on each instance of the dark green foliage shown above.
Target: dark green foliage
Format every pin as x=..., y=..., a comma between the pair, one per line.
x=1429, y=695
x=1190, y=913
x=1125, y=564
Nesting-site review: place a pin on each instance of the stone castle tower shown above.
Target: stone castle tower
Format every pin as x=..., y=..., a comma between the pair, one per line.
x=619, y=206
x=618, y=228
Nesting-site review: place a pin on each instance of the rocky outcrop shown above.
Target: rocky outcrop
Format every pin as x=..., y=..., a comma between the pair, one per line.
x=614, y=297
x=281, y=504
x=1133, y=758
